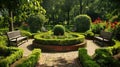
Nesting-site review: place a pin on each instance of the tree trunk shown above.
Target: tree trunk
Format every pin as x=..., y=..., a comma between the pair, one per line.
x=11, y=28
x=68, y=17
x=81, y=7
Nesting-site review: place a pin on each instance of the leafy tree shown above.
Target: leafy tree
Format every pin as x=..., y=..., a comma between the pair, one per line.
x=11, y=6
x=54, y=11
x=33, y=7
x=68, y=4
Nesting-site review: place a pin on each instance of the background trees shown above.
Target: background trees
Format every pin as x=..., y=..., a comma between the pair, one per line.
x=68, y=9
x=57, y=11
x=11, y=6
x=20, y=10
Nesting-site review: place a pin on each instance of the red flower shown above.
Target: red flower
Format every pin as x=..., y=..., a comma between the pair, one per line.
x=115, y=22
x=112, y=25
x=98, y=20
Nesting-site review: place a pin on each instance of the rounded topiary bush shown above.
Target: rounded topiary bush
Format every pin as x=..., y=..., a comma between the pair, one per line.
x=59, y=30
x=82, y=23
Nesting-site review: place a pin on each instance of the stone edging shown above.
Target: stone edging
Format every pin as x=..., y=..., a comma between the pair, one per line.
x=59, y=48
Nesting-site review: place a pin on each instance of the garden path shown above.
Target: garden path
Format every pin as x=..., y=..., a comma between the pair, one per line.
x=58, y=59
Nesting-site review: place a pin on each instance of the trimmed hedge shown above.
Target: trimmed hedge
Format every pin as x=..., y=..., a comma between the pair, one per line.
x=67, y=41
x=12, y=54
x=103, y=57
x=89, y=34
x=31, y=60
x=85, y=59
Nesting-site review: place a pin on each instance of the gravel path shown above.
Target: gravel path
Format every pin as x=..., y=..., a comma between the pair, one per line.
x=58, y=59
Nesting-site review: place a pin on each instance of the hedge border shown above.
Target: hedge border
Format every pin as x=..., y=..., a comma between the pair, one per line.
x=15, y=54
x=59, y=48
x=31, y=60
x=85, y=59
x=60, y=42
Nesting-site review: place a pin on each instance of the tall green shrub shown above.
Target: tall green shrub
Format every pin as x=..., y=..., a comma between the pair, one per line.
x=35, y=22
x=59, y=30
x=82, y=23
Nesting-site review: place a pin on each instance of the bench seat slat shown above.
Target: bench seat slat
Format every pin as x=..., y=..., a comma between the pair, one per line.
x=15, y=36
x=104, y=37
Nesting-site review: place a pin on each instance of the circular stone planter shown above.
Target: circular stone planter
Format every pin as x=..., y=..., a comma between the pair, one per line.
x=64, y=44
x=59, y=48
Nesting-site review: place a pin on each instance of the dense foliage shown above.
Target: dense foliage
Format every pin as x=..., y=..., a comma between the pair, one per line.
x=89, y=34
x=104, y=58
x=59, y=30
x=59, y=11
x=82, y=23
x=26, y=33
x=85, y=59
x=35, y=22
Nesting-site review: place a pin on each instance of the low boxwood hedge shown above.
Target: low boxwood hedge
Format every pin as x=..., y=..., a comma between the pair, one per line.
x=29, y=61
x=60, y=41
x=85, y=59
x=11, y=55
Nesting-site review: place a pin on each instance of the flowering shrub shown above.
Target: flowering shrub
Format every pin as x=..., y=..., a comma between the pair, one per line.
x=99, y=25
x=111, y=27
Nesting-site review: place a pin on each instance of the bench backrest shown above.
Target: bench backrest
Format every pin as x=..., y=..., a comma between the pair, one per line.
x=13, y=34
x=106, y=35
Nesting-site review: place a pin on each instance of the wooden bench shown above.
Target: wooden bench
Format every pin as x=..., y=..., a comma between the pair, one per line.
x=104, y=37
x=15, y=37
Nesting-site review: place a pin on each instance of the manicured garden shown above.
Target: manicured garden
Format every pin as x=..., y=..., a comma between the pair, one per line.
x=60, y=26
